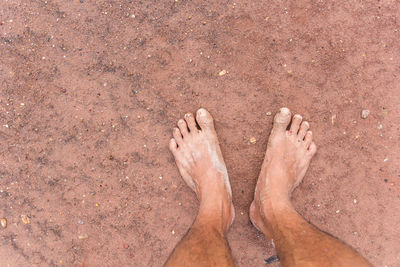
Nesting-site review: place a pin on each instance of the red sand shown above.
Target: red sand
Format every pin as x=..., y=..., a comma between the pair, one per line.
x=90, y=91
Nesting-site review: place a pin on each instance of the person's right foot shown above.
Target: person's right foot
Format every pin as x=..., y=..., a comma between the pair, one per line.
x=288, y=156
x=199, y=159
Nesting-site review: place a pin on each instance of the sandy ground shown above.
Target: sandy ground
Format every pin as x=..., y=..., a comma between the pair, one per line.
x=90, y=91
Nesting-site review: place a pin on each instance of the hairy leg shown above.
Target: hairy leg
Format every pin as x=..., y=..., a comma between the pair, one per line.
x=199, y=159
x=297, y=242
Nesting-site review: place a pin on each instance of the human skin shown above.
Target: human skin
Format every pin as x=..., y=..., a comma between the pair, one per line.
x=199, y=159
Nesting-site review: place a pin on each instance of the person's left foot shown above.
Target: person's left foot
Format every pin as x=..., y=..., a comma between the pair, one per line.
x=199, y=159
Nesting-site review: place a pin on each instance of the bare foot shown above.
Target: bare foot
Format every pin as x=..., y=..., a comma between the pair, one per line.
x=200, y=162
x=288, y=156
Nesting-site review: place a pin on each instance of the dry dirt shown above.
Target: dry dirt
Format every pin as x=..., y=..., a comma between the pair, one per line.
x=90, y=91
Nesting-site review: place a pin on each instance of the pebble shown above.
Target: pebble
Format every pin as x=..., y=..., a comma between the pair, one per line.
x=355, y=201
x=80, y=221
x=222, y=72
x=333, y=119
x=365, y=113
x=25, y=219
x=337, y=211
x=126, y=245
x=173, y=232
x=269, y=113
x=253, y=140
x=81, y=237
x=3, y=222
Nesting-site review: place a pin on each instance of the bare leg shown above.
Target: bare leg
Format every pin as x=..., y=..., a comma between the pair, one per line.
x=200, y=162
x=297, y=242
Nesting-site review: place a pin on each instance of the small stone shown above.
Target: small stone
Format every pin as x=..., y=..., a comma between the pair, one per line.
x=269, y=113
x=173, y=232
x=81, y=237
x=80, y=221
x=253, y=140
x=126, y=245
x=222, y=72
x=333, y=119
x=3, y=222
x=25, y=219
x=355, y=201
x=365, y=113
x=337, y=211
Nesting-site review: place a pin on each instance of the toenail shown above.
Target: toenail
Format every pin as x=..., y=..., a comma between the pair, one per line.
x=201, y=112
x=298, y=116
x=285, y=111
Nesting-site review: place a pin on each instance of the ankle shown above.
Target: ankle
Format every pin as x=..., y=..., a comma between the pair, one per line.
x=215, y=214
x=274, y=208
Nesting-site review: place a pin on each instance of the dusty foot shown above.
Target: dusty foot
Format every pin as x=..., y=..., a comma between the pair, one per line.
x=288, y=156
x=200, y=162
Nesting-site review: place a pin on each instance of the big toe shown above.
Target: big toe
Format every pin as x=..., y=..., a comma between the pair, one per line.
x=204, y=119
x=282, y=119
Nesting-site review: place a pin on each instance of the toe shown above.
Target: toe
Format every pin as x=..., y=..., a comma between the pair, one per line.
x=282, y=119
x=191, y=122
x=303, y=130
x=296, y=121
x=183, y=127
x=173, y=146
x=204, y=119
x=308, y=139
x=177, y=136
x=312, y=149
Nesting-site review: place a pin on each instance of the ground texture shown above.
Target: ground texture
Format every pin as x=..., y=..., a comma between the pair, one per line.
x=90, y=91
